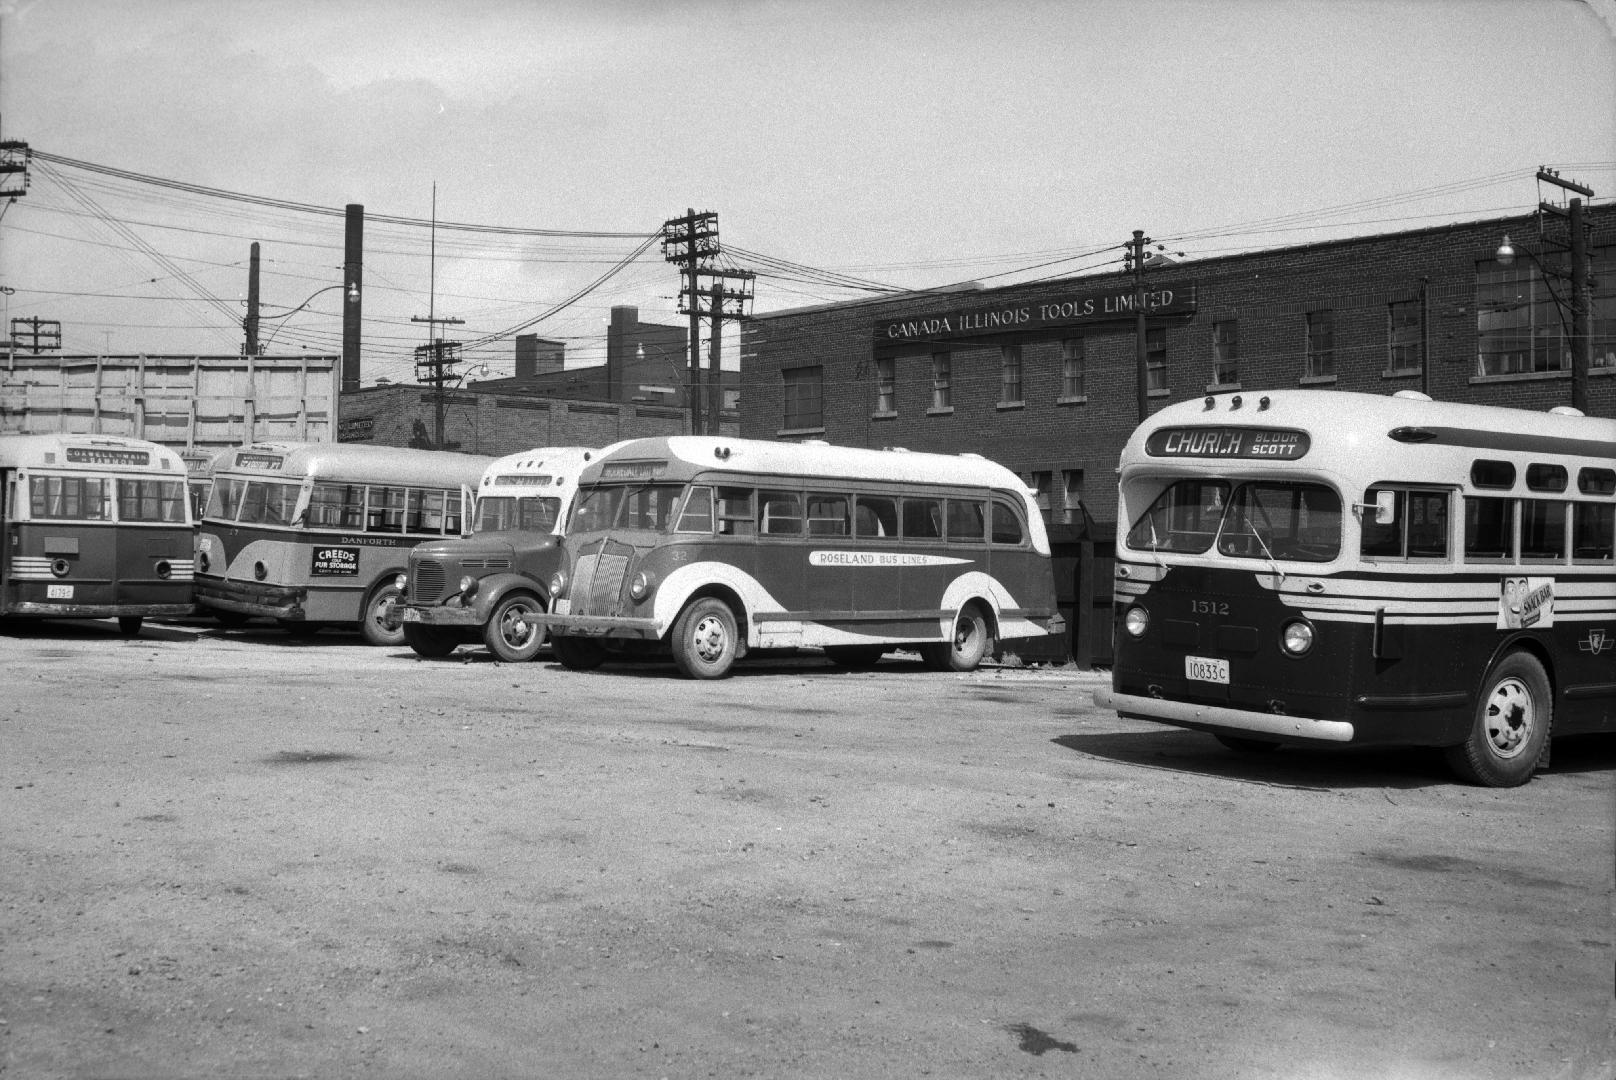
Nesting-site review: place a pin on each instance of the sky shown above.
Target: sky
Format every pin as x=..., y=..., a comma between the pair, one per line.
x=845, y=145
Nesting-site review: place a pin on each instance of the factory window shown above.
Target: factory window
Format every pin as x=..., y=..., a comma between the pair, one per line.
x=1072, y=364
x=886, y=385
x=942, y=382
x=1010, y=375
x=1320, y=345
x=804, y=398
x=1225, y=353
x=1405, y=350
x=1156, y=359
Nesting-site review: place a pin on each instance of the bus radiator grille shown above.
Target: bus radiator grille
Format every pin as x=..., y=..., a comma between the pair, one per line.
x=429, y=580
x=607, y=584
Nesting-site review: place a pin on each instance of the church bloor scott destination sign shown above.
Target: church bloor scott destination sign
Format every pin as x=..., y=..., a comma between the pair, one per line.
x=1058, y=310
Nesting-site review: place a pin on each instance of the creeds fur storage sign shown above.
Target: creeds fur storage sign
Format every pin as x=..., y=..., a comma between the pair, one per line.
x=335, y=562
x=1062, y=310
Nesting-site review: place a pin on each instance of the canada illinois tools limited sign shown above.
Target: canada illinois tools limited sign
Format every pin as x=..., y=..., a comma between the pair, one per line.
x=1052, y=311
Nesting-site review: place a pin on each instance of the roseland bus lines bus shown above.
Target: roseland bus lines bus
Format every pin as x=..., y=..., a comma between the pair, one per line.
x=1320, y=567
x=315, y=534
x=709, y=547
x=489, y=586
x=93, y=527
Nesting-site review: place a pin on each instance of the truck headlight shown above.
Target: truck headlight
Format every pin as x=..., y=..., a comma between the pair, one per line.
x=639, y=587
x=558, y=583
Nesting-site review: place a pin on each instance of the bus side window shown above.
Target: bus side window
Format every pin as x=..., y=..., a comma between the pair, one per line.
x=430, y=509
x=875, y=515
x=966, y=521
x=1543, y=529
x=1383, y=540
x=451, y=513
x=697, y=515
x=735, y=511
x=1428, y=524
x=781, y=513
x=922, y=519
x=1006, y=525
x=1489, y=528
x=827, y=515
x=1593, y=531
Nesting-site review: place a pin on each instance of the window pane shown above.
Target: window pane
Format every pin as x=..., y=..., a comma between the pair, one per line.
x=265, y=503
x=804, y=397
x=875, y=515
x=922, y=519
x=1543, y=529
x=69, y=498
x=1183, y=518
x=335, y=505
x=495, y=513
x=1593, y=531
x=967, y=521
x=224, y=499
x=1428, y=524
x=827, y=515
x=1072, y=364
x=1489, y=528
x=735, y=512
x=151, y=500
x=1225, y=352
x=1282, y=521
x=1009, y=374
x=780, y=513
x=697, y=515
x=886, y=385
x=942, y=384
x=1007, y=527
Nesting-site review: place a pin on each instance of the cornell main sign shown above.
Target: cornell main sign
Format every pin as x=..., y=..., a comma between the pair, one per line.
x=1053, y=311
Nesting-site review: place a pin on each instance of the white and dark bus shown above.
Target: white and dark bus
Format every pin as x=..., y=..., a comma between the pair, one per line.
x=488, y=587
x=710, y=547
x=93, y=527
x=316, y=534
x=1325, y=568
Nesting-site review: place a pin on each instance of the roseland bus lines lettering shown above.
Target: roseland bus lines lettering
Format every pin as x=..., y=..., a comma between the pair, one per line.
x=880, y=558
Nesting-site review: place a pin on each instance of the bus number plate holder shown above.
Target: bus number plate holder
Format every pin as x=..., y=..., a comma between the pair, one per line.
x=58, y=592
x=1205, y=669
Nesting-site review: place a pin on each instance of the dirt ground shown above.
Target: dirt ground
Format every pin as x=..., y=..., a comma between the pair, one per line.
x=232, y=853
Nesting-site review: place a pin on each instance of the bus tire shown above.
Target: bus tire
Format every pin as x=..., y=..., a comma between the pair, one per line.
x=704, y=639
x=378, y=605
x=129, y=625
x=855, y=657
x=510, y=633
x=578, y=654
x=430, y=641
x=970, y=642
x=1511, y=728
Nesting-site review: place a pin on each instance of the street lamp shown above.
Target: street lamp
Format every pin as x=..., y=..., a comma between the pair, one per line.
x=352, y=297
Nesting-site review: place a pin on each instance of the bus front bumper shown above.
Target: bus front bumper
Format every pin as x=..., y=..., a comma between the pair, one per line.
x=437, y=616
x=598, y=626
x=1222, y=718
x=251, y=598
x=100, y=611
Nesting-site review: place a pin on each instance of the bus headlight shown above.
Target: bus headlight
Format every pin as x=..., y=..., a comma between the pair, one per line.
x=1136, y=620
x=164, y=570
x=640, y=586
x=558, y=583
x=1297, y=638
x=60, y=567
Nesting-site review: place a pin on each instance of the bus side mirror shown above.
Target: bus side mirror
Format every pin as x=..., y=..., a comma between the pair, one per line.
x=1385, y=507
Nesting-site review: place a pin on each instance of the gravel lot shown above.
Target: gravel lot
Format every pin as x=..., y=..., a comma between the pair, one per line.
x=232, y=853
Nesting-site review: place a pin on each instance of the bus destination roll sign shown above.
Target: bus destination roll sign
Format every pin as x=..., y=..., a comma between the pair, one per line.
x=1272, y=444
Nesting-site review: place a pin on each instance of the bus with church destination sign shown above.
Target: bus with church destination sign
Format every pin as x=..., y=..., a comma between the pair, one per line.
x=1320, y=568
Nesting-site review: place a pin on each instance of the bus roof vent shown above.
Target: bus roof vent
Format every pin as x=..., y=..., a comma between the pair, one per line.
x=1567, y=410
x=1412, y=395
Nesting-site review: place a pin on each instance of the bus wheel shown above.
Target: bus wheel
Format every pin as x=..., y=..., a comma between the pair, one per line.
x=578, y=654
x=129, y=625
x=378, y=607
x=855, y=657
x=1246, y=745
x=430, y=641
x=966, y=649
x=1511, y=726
x=511, y=634
x=704, y=640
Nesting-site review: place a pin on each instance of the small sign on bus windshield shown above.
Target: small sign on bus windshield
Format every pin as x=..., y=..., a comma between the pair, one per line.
x=269, y=462
x=1277, y=444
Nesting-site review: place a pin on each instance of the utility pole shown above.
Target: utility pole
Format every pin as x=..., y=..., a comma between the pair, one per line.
x=250, y=323
x=353, y=271
x=1582, y=341
x=1141, y=373
x=725, y=303
x=689, y=242
x=435, y=361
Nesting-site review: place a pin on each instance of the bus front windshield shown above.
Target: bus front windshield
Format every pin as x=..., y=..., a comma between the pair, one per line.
x=496, y=513
x=1257, y=519
x=625, y=506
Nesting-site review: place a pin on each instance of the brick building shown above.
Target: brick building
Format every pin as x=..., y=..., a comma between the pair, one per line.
x=1041, y=377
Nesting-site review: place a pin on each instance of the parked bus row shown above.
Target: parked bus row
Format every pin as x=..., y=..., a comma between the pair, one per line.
x=1297, y=567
